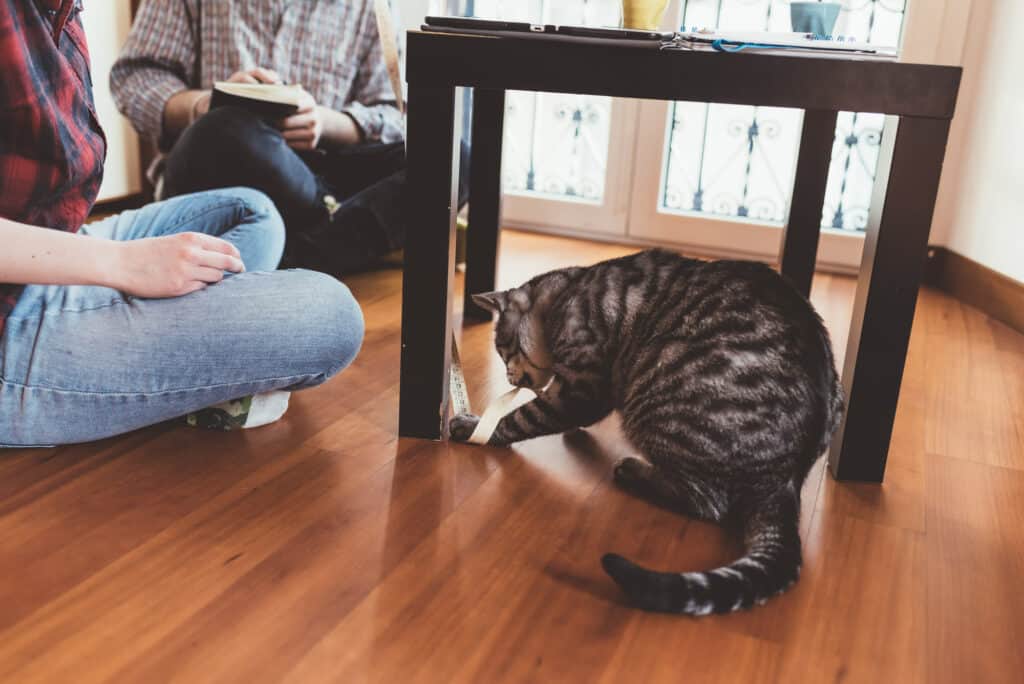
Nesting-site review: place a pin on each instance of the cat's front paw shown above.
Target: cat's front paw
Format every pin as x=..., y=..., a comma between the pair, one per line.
x=630, y=472
x=461, y=427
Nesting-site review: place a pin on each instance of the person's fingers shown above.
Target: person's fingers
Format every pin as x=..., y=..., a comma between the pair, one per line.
x=299, y=134
x=302, y=145
x=242, y=77
x=219, y=261
x=216, y=244
x=298, y=121
x=192, y=286
x=265, y=75
x=205, y=274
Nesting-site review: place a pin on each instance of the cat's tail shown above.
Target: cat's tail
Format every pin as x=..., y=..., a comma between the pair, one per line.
x=770, y=566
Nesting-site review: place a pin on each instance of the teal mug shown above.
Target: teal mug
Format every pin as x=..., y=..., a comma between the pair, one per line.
x=814, y=17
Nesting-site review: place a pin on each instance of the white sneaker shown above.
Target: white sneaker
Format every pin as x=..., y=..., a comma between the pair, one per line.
x=239, y=414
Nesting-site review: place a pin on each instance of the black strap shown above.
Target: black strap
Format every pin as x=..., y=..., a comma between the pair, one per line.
x=195, y=27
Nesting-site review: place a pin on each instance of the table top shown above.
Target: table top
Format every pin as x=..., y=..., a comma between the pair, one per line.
x=805, y=82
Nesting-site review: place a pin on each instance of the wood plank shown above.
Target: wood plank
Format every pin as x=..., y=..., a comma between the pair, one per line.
x=460, y=578
x=974, y=565
x=858, y=612
x=995, y=294
x=975, y=386
x=363, y=538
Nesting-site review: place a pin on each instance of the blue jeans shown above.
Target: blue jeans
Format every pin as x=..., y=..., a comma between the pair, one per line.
x=79, y=363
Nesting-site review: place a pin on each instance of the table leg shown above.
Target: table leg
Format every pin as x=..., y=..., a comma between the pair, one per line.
x=896, y=245
x=484, y=198
x=800, y=238
x=432, y=136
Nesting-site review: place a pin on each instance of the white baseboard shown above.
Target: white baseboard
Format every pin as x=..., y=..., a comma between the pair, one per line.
x=695, y=250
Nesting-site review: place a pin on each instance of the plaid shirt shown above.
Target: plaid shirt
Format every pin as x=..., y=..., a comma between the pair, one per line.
x=51, y=144
x=331, y=47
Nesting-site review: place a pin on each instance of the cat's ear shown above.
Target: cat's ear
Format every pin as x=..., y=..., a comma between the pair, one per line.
x=491, y=301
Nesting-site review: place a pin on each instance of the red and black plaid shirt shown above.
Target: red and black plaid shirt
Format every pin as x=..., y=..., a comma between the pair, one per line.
x=51, y=144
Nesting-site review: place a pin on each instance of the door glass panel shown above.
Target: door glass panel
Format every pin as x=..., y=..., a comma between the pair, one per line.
x=731, y=160
x=737, y=162
x=555, y=145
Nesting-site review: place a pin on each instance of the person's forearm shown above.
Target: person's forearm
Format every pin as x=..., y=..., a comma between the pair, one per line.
x=40, y=256
x=340, y=129
x=141, y=92
x=182, y=109
x=377, y=121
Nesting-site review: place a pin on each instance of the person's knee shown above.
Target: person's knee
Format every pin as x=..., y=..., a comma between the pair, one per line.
x=332, y=324
x=225, y=144
x=266, y=236
x=231, y=127
x=257, y=207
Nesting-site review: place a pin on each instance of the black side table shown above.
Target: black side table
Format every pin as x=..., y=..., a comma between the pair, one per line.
x=918, y=99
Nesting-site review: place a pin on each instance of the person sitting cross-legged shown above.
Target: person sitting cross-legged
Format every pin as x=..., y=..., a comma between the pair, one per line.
x=144, y=316
x=335, y=169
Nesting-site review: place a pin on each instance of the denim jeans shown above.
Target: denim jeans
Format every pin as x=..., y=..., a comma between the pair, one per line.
x=230, y=146
x=79, y=363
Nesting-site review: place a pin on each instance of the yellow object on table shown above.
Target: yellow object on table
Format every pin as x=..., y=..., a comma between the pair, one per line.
x=643, y=14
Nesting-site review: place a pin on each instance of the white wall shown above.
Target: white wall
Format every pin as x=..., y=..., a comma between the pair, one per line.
x=413, y=11
x=987, y=219
x=106, y=25
x=980, y=211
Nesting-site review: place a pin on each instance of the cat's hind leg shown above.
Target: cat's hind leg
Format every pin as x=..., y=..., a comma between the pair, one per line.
x=646, y=481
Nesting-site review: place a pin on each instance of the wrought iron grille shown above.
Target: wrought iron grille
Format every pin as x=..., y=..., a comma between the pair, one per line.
x=738, y=161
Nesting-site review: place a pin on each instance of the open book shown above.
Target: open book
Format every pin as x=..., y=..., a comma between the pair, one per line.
x=274, y=101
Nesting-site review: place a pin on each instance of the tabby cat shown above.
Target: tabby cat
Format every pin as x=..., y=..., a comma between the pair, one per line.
x=725, y=379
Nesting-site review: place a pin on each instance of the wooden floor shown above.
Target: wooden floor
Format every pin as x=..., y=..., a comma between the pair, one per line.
x=324, y=549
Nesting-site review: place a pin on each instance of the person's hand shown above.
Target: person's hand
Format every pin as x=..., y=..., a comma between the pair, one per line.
x=257, y=75
x=172, y=265
x=302, y=130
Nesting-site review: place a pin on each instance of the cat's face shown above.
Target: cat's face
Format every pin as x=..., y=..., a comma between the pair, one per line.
x=519, y=337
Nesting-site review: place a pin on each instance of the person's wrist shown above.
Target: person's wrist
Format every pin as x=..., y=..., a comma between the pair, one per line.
x=110, y=264
x=331, y=131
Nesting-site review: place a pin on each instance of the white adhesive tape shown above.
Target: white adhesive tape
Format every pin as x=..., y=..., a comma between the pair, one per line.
x=499, y=408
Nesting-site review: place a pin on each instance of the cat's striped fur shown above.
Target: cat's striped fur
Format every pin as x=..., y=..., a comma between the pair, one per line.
x=725, y=379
